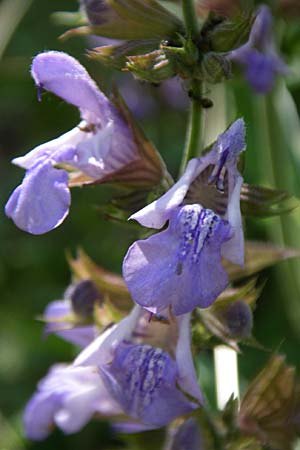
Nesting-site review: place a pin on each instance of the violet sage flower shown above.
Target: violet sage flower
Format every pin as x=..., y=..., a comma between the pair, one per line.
x=121, y=374
x=99, y=147
x=181, y=266
x=258, y=56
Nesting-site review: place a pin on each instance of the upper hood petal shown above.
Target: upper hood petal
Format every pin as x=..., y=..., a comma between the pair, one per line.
x=61, y=74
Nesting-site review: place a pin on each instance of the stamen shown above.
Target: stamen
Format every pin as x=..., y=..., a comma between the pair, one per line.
x=40, y=89
x=218, y=174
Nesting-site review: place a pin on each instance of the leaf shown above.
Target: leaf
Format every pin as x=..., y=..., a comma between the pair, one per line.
x=268, y=404
x=258, y=256
x=259, y=201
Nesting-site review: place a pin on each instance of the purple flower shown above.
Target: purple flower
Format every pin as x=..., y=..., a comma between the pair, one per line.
x=102, y=144
x=258, y=56
x=121, y=373
x=181, y=266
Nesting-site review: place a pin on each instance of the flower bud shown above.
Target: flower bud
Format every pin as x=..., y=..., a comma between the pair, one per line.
x=115, y=56
x=238, y=319
x=98, y=11
x=153, y=67
x=231, y=33
x=214, y=68
x=83, y=297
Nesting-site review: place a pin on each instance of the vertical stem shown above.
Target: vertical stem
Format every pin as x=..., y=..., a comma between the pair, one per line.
x=194, y=126
x=190, y=19
x=193, y=135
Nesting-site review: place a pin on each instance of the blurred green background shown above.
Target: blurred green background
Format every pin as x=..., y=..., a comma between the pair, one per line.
x=33, y=269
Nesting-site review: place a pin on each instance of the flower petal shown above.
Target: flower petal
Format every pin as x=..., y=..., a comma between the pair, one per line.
x=262, y=27
x=261, y=70
x=55, y=312
x=68, y=397
x=179, y=267
x=101, y=350
x=67, y=78
x=143, y=380
x=185, y=437
x=158, y=212
x=187, y=378
x=93, y=154
x=67, y=141
x=233, y=250
x=42, y=201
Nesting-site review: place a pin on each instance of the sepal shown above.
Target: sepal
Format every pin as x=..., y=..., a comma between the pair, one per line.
x=115, y=56
x=259, y=201
x=153, y=67
x=214, y=68
x=259, y=256
x=128, y=19
x=271, y=399
x=222, y=34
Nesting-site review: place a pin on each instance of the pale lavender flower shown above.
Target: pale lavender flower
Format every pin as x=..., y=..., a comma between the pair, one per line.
x=258, y=56
x=101, y=145
x=181, y=266
x=120, y=374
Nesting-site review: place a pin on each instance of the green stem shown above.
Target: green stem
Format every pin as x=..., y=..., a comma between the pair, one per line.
x=194, y=126
x=190, y=18
x=193, y=135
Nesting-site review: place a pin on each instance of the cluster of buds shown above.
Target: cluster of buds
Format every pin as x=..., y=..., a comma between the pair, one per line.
x=155, y=46
x=136, y=366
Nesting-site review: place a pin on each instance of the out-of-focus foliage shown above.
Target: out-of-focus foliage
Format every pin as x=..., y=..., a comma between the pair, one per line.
x=34, y=270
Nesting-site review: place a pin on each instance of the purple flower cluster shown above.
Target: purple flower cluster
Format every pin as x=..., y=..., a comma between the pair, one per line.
x=125, y=372
x=139, y=373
